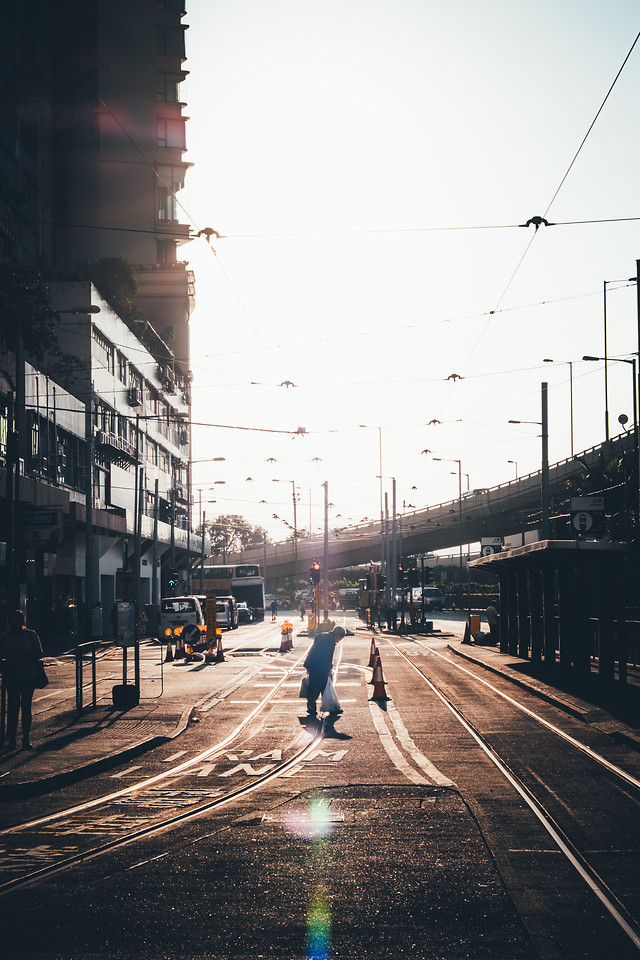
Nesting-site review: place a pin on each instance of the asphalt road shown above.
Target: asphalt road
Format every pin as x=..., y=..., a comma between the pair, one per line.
x=396, y=835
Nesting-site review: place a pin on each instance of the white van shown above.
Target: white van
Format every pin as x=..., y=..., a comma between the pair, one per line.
x=231, y=615
x=224, y=614
x=176, y=613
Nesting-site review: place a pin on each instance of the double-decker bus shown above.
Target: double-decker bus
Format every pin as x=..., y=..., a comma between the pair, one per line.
x=242, y=580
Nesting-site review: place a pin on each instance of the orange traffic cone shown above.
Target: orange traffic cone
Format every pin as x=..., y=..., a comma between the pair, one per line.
x=169, y=656
x=372, y=653
x=220, y=658
x=289, y=636
x=467, y=633
x=284, y=639
x=179, y=648
x=379, y=692
x=376, y=661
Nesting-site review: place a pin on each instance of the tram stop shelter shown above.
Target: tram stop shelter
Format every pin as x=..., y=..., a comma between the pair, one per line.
x=562, y=605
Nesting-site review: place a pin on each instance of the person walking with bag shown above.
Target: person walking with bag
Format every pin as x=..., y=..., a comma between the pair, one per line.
x=319, y=662
x=20, y=655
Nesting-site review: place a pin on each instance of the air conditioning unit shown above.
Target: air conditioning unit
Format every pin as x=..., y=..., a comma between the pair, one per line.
x=184, y=437
x=179, y=492
x=134, y=397
x=100, y=436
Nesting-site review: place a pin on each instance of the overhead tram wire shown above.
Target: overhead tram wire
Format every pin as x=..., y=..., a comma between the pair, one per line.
x=538, y=221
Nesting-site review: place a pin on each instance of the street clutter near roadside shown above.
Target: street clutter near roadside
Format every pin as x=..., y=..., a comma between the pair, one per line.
x=70, y=746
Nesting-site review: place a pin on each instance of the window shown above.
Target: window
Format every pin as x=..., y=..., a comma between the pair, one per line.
x=102, y=350
x=170, y=41
x=168, y=87
x=169, y=180
x=171, y=132
x=122, y=368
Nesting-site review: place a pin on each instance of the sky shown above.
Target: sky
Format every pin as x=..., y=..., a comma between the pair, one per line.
x=369, y=166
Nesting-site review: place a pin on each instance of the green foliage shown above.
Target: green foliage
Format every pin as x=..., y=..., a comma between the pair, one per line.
x=231, y=533
x=116, y=280
x=25, y=310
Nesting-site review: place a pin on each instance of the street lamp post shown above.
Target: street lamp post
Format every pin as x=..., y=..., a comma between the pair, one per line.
x=570, y=362
x=515, y=463
x=633, y=365
x=544, y=475
x=459, y=462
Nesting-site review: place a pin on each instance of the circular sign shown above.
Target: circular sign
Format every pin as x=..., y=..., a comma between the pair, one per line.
x=582, y=521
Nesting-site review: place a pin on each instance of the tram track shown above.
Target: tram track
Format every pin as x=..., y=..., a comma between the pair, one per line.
x=37, y=829
x=570, y=850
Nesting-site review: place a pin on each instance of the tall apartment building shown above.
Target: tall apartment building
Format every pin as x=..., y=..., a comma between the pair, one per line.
x=92, y=138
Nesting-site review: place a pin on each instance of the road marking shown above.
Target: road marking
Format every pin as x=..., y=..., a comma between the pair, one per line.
x=174, y=756
x=125, y=773
x=409, y=746
x=206, y=769
x=392, y=750
x=248, y=770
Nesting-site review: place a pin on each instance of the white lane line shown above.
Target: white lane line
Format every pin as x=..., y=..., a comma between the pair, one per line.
x=392, y=750
x=409, y=746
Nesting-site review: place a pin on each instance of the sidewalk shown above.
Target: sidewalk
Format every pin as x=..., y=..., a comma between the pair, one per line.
x=69, y=746
x=617, y=715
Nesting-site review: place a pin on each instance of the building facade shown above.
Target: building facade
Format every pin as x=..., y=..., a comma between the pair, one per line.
x=95, y=439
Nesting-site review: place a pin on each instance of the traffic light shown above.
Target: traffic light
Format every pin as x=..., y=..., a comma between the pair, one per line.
x=382, y=581
x=401, y=575
x=174, y=581
x=314, y=573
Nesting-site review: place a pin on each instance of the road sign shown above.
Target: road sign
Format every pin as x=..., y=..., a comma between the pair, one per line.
x=587, y=517
x=41, y=528
x=490, y=545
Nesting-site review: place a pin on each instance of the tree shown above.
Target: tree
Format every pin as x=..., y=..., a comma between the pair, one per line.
x=116, y=280
x=25, y=311
x=231, y=533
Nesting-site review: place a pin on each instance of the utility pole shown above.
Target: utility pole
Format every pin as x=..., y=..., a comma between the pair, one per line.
x=326, y=551
x=546, y=532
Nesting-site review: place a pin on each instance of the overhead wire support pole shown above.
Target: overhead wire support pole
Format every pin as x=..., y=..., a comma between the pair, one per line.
x=544, y=491
x=325, y=597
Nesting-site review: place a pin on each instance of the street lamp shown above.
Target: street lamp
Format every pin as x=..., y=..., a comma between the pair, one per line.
x=632, y=363
x=459, y=462
x=544, y=474
x=570, y=362
x=515, y=463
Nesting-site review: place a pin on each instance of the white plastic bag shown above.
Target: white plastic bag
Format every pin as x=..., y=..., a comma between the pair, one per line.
x=330, y=701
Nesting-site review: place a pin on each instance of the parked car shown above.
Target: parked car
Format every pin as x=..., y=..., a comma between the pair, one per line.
x=233, y=610
x=245, y=613
x=433, y=597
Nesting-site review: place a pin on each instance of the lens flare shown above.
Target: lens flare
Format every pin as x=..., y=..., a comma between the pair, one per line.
x=319, y=927
x=311, y=824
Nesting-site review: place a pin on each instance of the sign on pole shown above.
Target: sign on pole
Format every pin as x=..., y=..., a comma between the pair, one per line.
x=490, y=545
x=587, y=517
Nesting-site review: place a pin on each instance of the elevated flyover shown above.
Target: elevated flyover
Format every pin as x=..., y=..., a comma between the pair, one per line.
x=501, y=511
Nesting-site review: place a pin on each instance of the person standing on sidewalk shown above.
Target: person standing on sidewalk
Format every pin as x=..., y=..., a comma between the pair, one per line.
x=20, y=650
x=319, y=662
x=274, y=610
x=493, y=620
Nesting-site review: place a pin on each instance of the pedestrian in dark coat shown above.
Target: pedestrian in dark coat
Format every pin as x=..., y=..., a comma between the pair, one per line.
x=319, y=662
x=274, y=610
x=20, y=650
